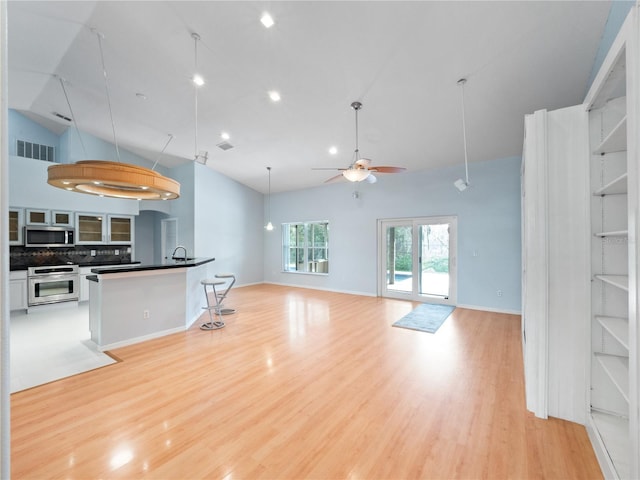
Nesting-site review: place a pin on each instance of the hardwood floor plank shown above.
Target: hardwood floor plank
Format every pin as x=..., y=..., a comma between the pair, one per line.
x=302, y=384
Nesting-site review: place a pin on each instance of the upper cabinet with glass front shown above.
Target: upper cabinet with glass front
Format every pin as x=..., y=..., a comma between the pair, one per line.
x=93, y=228
x=16, y=222
x=120, y=229
x=36, y=216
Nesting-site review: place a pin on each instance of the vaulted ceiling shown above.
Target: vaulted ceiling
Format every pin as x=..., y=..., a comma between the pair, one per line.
x=402, y=60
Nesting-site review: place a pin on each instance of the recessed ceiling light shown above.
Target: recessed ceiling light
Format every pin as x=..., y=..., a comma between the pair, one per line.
x=267, y=20
x=198, y=80
x=274, y=96
x=333, y=150
x=224, y=136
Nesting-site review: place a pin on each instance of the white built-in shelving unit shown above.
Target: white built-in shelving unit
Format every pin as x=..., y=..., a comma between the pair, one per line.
x=612, y=419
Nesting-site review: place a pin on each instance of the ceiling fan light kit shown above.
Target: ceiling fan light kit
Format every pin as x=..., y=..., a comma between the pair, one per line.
x=361, y=168
x=107, y=178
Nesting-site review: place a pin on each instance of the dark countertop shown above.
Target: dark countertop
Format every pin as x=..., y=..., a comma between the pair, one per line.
x=104, y=264
x=192, y=262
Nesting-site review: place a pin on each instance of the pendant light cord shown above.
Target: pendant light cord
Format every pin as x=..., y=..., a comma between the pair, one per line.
x=160, y=155
x=73, y=117
x=461, y=82
x=196, y=37
x=269, y=203
x=106, y=86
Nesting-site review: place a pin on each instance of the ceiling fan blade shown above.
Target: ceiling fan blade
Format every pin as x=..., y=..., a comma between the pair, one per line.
x=371, y=178
x=387, y=169
x=333, y=179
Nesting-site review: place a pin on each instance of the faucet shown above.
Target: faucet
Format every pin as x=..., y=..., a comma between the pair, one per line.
x=173, y=255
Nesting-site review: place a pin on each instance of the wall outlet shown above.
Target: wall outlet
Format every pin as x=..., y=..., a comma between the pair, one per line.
x=117, y=252
x=499, y=293
x=145, y=314
x=93, y=253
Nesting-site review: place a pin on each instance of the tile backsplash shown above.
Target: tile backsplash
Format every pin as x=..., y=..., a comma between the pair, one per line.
x=22, y=257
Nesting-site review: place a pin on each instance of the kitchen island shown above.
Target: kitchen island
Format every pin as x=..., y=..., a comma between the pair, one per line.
x=134, y=303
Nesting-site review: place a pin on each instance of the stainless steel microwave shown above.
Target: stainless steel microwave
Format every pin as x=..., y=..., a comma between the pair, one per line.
x=48, y=236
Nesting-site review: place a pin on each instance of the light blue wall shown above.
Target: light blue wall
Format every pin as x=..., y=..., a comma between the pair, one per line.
x=21, y=128
x=228, y=225
x=183, y=207
x=97, y=149
x=488, y=224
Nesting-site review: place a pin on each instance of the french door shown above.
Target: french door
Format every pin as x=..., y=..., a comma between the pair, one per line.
x=417, y=258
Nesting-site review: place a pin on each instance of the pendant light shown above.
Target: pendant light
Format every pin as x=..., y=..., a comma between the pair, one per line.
x=269, y=225
x=461, y=184
x=198, y=81
x=111, y=178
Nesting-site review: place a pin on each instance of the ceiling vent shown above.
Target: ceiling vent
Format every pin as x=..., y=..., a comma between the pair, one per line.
x=63, y=117
x=36, y=151
x=224, y=146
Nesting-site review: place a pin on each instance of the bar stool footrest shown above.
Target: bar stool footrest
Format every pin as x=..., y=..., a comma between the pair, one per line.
x=212, y=326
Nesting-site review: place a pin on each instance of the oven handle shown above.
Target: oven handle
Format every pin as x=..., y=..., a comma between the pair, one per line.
x=55, y=277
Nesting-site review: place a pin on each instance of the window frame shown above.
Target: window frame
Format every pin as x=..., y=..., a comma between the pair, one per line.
x=308, y=251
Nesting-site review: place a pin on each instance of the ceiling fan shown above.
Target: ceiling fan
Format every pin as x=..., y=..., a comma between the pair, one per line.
x=361, y=168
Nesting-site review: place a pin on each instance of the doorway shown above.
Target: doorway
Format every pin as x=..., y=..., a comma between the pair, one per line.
x=417, y=258
x=168, y=236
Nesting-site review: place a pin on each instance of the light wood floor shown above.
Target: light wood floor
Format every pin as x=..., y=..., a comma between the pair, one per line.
x=302, y=384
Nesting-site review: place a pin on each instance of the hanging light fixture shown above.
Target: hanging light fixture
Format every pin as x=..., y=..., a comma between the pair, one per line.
x=108, y=178
x=198, y=80
x=355, y=172
x=269, y=225
x=461, y=184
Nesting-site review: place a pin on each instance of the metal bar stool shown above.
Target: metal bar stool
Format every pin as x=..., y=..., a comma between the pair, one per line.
x=212, y=324
x=223, y=295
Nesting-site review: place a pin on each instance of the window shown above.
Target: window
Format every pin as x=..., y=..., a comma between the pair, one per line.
x=305, y=247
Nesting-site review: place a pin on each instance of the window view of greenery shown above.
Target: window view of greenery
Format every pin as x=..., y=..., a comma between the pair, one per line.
x=305, y=247
x=433, y=254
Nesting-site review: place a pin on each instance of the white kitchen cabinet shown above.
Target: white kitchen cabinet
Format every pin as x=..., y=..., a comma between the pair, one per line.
x=18, y=294
x=37, y=216
x=90, y=228
x=16, y=224
x=62, y=219
x=96, y=228
x=120, y=229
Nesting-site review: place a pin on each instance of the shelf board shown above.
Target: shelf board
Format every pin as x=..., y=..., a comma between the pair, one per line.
x=617, y=368
x=619, y=281
x=616, y=233
x=618, y=327
x=614, y=432
x=616, y=141
x=617, y=186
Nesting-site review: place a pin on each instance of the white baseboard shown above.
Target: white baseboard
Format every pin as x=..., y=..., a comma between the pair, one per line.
x=348, y=292
x=367, y=294
x=143, y=338
x=490, y=309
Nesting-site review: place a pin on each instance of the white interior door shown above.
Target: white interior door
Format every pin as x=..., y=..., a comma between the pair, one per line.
x=417, y=258
x=169, y=236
